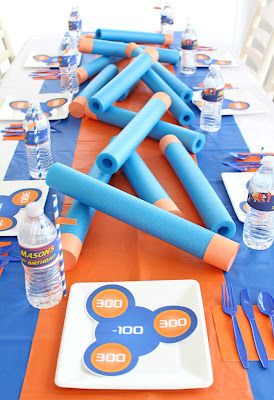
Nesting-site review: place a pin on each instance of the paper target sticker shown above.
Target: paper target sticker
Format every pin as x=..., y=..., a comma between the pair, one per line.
x=54, y=105
x=49, y=61
x=126, y=331
x=235, y=105
x=47, y=107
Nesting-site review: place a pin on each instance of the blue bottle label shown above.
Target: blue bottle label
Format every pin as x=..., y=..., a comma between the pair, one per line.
x=65, y=61
x=42, y=137
x=213, y=94
x=166, y=20
x=40, y=256
x=75, y=25
x=261, y=201
x=189, y=44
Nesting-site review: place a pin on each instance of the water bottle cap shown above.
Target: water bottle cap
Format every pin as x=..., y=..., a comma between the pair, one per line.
x=34, y=209
x=268, y=161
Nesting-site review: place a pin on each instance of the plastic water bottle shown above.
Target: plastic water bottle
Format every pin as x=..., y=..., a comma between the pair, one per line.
x=212, y=98
x=167, y=18
x=258, y=230
x=189, y=49
x=67, y=58
x=75, y=27
x=37, y=141
x=39, y=247
x=156, y=16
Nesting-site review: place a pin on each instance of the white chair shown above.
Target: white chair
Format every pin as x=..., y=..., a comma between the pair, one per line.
x=258, y=48
x=6, y=52
x=269, y=83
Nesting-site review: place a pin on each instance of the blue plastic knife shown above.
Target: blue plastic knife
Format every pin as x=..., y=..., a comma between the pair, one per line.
x=248, y=310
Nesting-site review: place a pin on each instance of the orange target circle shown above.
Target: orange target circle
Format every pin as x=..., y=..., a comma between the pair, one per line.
x=111, y=357
x=24, y=197
x=58, y=102
x=19, y=104
x=238, y=105
x=41, y=57
x=5, y=223
x=202, y=57
x=110, y=303
x=172, y=323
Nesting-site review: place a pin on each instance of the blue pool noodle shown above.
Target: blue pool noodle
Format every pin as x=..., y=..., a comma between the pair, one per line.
x=209, y=206
x=118, y=151
x=73, y=236
x=146, y=185
x=192, y=140
x=89, y=69
x=131, y=36
x=177, y=231
x=183, y=114
x=178, y=108
x=119, y=49
x=100, y=80
x=124, y=95
x=78, y=105
x=183, y=91
x=114, y=89
x=167, y=55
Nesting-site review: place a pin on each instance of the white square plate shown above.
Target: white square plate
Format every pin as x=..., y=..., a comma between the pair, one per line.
x=46, y=60
x=236, y=101
x=183, y=364
x=14, y=196
x=236, y=186
x=54, y=105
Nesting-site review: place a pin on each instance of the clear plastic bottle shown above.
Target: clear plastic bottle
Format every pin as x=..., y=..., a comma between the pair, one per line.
x=39, y=247
x=258, y=230
x=67, y=58
x=189, y=49
x=212, y=97
x=156, y=16
x=75, y=27
x=167, y=18
x=38, y=141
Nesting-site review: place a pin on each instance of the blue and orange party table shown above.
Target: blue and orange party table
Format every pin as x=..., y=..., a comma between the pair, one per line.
x=114, y=251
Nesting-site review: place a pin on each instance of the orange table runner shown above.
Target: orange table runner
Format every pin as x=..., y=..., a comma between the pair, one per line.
x=114, y=251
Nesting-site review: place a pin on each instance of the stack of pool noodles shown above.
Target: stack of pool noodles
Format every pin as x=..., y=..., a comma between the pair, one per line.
x=154, y=211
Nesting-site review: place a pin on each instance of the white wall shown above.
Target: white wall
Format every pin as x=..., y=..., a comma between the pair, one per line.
x=215, y=20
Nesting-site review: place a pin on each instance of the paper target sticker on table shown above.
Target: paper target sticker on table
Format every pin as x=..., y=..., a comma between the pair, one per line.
x=236, y=102
x=126, y=331
x=15, y=195
x=54, y=105
x=205, y=58
x=44, y=60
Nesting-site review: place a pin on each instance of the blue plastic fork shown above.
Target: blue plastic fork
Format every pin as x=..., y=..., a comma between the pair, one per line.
x=242, y=168
x=230, y=308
